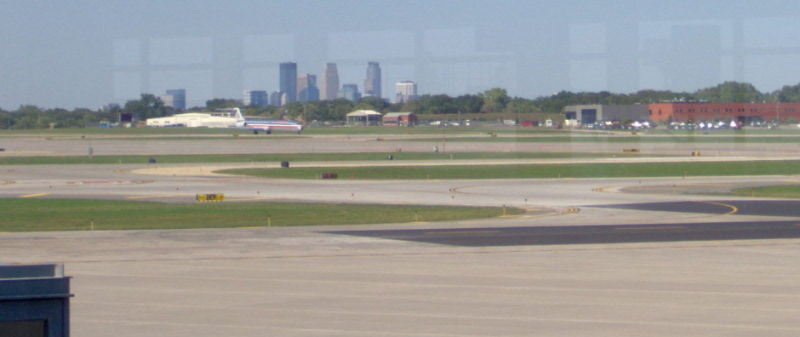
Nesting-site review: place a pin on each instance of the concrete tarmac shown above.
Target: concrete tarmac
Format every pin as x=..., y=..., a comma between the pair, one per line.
x=307, y=282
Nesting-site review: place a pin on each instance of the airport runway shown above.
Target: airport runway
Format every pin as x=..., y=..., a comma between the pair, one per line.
x=594, y=257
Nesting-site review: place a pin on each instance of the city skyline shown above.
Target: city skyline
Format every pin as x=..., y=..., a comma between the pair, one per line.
x=307, y=88
x=532, y=49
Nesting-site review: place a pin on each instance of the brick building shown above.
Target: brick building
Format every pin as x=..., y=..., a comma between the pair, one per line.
x=744, y=113
x=399, y=119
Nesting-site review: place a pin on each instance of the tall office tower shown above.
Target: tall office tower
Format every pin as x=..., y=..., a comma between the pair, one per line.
x=307, y=88
x=350, y=92
x=169, y=100
x=330, y=82
x=372, y=85
x=288, y=81
x=256, y=98
x=406, y=91
x=178, y=98
x=275, y=98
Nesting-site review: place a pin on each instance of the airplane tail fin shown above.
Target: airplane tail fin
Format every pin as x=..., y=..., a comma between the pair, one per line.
x=238, y=114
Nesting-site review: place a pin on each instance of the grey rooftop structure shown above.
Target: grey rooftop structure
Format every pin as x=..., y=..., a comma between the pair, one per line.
x=591, y=113
x=34, y=301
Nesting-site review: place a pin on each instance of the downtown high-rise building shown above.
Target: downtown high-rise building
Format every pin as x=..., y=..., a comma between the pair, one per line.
x=406, y=91
x=350, y=92
x=175, y=98
x=275, y=98
x=288, y=81
x=255, y=98
x=307, y=90
x=372, y=84
x=330, y=82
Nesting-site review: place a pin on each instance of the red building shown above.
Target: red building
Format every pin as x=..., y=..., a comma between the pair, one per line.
x=400, y=119
x=739, y=112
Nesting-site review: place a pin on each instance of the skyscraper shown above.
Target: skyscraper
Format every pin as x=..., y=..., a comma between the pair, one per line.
x=406, y=91
x=288, y=81
x=372, y=85
x=330, y=82
x=255, y=97
x=275, y=98
x=350, y=92
x=307, y=88
x=178, y=98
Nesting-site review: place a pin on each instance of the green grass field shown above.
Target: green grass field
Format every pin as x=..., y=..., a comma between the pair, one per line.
x=72, y=215
x=523, y=171
x=781, y=191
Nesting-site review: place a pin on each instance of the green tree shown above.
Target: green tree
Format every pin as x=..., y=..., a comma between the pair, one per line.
x=469, y=104
x=435, y=104
x=730, y=92
x=338, y=109
x=222, y=103
x=495, y=100
x=148, y=106
x=29, y=117
x=7, y=121
x=372, y=103
x=292, y=110
x=264, y=111
x=789, y=93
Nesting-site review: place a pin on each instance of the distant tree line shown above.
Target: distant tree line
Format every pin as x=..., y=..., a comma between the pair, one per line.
x=492, y=102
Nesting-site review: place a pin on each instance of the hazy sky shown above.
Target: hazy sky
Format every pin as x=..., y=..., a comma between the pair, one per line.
x=84, y=53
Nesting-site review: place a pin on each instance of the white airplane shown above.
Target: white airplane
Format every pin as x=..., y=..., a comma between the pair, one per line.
x=266, y=124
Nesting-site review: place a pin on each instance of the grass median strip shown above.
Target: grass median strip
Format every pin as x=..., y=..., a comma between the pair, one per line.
x=70, y=215
x=778, y=191
x=526, y=171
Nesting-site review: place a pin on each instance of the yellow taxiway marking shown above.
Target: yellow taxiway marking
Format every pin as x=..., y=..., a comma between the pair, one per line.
x=154, y=196
x=647, y=228
x=461, y=232
x=34, y=195
x=572, y=210
x=248, y=199
x=733, y=208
